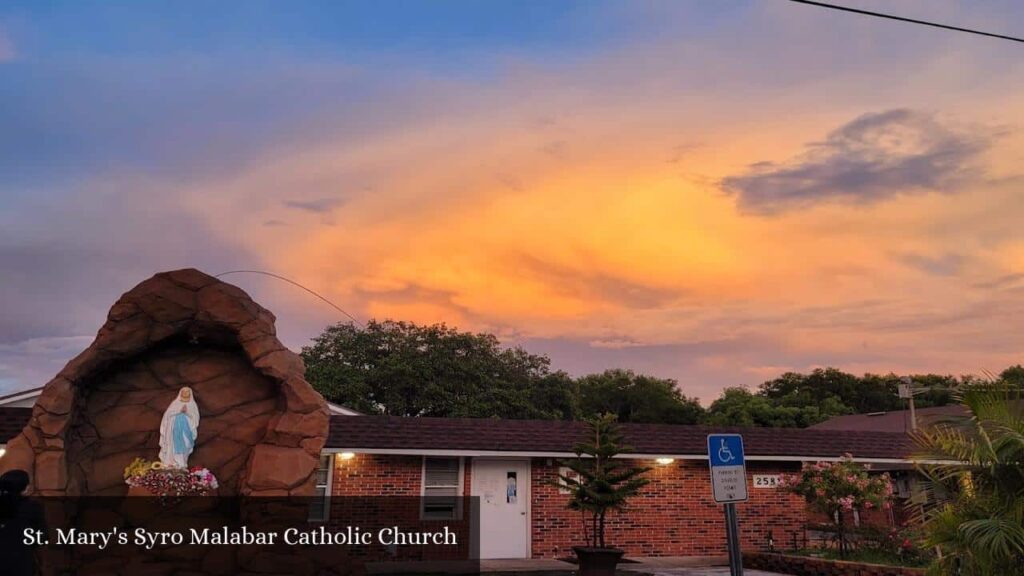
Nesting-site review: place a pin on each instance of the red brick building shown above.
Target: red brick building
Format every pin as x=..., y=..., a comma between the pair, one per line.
x=510, y=468
x=674, y=515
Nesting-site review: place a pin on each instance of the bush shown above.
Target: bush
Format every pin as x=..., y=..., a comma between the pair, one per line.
x=838, y=488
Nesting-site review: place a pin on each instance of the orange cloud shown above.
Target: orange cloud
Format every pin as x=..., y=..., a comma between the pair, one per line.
x=540, y=209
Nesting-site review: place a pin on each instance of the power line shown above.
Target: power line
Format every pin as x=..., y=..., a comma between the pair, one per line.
x=910, y=20
x=294, y=283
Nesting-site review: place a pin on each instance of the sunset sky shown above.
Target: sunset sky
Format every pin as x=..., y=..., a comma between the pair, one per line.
x=711, y=191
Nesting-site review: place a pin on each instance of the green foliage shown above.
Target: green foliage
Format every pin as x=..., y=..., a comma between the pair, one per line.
x=739, y=407
x=880, y=556
x=891, y=545
x=636, y=398
x=801, y=400
x=973, y=505
x=405, y=369
x=599, y=482
x=835, y=392
x=1013, y=376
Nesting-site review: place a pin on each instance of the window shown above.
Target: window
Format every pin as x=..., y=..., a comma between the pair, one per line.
x=442, y=488
x=319, y=508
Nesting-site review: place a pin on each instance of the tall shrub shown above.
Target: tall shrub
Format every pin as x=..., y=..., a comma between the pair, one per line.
x=599, y=482
x=836, y=489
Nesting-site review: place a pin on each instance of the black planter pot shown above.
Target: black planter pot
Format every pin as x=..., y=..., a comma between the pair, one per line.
x=597, y=561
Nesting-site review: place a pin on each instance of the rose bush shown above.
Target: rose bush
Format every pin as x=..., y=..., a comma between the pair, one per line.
x=838, y=488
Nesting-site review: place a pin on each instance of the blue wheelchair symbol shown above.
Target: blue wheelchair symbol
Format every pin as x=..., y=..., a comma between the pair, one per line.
x=725, y=450
x=724, y=454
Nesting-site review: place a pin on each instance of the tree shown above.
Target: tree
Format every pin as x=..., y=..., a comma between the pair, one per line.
x=636, y=398
x=599, y=482
x=738, y=407
x=405, y=369
x=795, y=399
x=555, y=396
x=860, y=395
x=974, y=512
x=868, y=393
x=838, y=488
x=1013, y=376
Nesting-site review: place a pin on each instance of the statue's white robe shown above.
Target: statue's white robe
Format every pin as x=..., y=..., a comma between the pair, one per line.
x=167, y=456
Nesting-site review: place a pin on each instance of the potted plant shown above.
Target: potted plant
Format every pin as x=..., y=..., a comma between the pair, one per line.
x=597, y=484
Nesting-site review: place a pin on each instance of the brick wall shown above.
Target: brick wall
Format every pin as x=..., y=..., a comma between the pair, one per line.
x=392, y=491
x=377, y=475
x=675, y=514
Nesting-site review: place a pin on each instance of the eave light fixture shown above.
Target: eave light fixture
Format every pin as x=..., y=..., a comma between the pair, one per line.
x=346, y=455
x=664, y=461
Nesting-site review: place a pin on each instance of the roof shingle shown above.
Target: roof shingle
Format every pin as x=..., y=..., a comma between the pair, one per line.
x=556, y=436
x=479, y=434
x=12, y=420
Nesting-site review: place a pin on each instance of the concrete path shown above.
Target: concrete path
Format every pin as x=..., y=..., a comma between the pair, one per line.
x=536, y=566
x=662, y=566
x=686, y=566
x=707, y=571
x=524, y=565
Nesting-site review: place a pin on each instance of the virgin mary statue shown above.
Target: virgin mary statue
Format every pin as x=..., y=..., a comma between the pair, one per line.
x=178, y=430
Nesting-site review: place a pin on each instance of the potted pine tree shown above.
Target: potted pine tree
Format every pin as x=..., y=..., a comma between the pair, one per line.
x=598, y=483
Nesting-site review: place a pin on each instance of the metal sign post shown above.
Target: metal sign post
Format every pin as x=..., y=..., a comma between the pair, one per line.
x=729, y=485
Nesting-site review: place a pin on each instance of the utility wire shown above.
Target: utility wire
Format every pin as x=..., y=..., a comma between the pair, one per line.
x=294, y=283
x=910, y=20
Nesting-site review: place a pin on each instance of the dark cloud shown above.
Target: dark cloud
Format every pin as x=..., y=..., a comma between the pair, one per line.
x=681, y=151
x=64, y=265
x=1001, y=282
x=509, y=181
x=874, y=157
x=31, y=363
x=944, y=265
x=316, y=206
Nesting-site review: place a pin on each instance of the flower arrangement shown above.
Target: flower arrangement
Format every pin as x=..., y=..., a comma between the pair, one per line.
x=170, y=483
x=139, y=467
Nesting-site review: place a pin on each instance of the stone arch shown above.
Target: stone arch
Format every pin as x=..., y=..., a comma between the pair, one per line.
x=263, y=425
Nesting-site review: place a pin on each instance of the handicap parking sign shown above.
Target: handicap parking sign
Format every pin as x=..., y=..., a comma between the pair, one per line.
x=728, y=470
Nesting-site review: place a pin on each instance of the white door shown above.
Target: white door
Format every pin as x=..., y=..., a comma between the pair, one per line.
x=503, y=487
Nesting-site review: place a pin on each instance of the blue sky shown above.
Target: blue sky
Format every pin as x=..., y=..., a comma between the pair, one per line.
x=709, y=191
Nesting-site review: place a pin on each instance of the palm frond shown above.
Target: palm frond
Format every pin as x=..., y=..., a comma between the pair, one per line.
x=974, y=508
